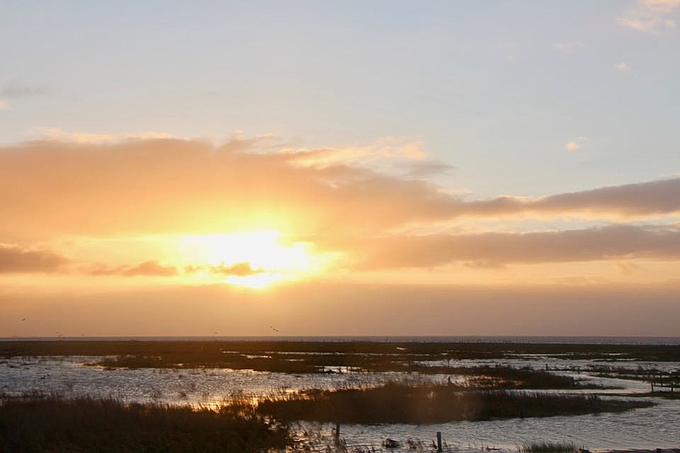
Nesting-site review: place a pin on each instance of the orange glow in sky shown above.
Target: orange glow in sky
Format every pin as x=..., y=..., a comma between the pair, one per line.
x=335, y=168
x=253, y=259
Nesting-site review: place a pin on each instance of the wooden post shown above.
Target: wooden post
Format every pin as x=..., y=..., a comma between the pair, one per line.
x=336, y=434
x=439, y=441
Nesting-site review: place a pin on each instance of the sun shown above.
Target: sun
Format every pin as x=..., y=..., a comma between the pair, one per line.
x=254, y=259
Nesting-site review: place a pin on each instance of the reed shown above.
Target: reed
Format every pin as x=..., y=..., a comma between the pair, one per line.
x=40, y=423
x=549, y=447
x=402, y=403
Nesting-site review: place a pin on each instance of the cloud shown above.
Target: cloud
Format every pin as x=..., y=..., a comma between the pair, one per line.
x=385, y=148
x=54, y=134
x=58, y=135
x=17, y=259
x=650, y=16
x=568, y=46
x=172, y=185
x=150, y=268
x=5, y=106
x=622, y=67
x=241, y=269
x=575, y=144
x=627, y=268
x=484, y=265
x=21, y=90
x=572, y=146
x=140, y=187
x=424, y=169
x=153, y=268
x=594, y=244
x=661, y=5
x=237, y=269
x=643, y=199
x=630, y=201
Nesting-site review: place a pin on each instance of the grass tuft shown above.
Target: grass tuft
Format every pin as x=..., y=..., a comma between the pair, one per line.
x=549, y=447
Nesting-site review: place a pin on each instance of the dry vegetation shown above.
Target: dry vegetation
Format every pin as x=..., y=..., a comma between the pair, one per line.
x=39, y=424
x=429, y=403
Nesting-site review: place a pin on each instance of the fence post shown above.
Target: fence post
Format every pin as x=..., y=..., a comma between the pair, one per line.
x=439, y=441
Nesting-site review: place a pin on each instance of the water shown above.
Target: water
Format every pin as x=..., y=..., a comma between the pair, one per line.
x=655, y=427
x=74, y=376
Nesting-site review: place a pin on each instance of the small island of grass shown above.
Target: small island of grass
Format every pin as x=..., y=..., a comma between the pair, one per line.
x=432, y=403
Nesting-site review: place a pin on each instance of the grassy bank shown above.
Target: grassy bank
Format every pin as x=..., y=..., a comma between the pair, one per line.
x=401, y=403
x=39, y=424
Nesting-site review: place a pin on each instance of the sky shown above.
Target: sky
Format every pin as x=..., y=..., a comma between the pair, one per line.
x=379, y=168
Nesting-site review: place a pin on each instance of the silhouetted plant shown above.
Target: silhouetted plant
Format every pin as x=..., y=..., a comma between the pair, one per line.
x=402, y=403
x=49, y=423
x=549, y=447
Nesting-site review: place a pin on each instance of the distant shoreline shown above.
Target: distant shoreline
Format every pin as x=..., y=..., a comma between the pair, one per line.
x=597, y=340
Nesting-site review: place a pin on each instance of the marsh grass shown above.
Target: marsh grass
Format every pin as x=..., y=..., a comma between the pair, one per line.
x=549, y=447
x=403, y=403
x=505, y=377
x=40, y=423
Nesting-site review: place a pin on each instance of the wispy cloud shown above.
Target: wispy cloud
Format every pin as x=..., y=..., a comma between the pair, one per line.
x=426, y=168
x=594, y=244
x=572, y=146
x=630, y=200
x=622, y=67
x=568, y=46
x=575, y=144
x=151, y=268
x=5, y=106
x=651, y=16
x=22, y=90
x=154, y=268
x=237, y=269
x=18, y=259
x=56, y=134
x=59, y=135
x=627, y=268
x=385, y=148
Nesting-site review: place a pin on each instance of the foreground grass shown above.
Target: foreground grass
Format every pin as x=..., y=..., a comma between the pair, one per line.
x=38, y=424
x=549, y=447
x=400, y=403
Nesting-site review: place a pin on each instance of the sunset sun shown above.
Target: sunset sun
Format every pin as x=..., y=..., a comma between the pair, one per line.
x=254, y=259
